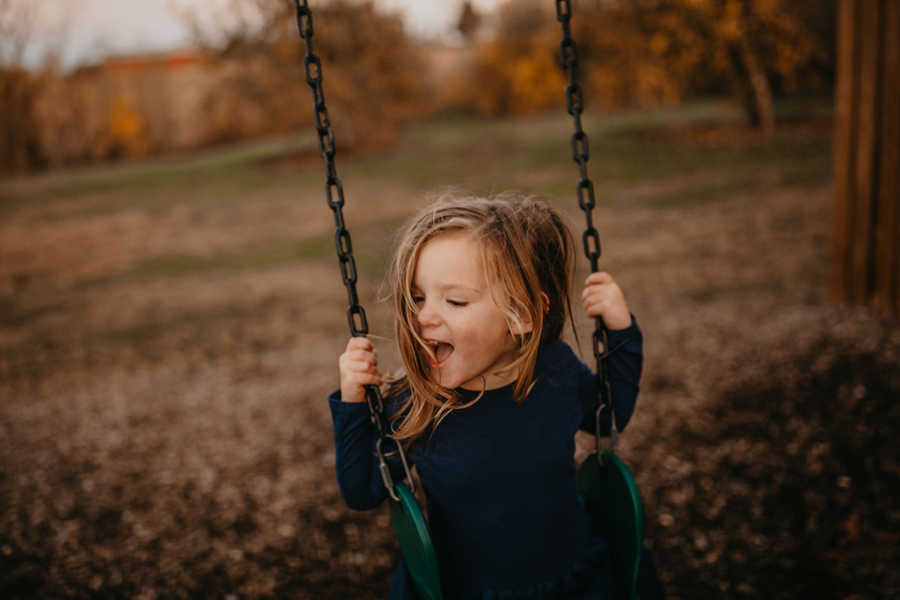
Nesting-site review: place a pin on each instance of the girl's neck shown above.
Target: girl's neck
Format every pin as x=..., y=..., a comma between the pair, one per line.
x=494, y=379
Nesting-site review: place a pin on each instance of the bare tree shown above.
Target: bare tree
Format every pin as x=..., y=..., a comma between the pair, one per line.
x=468, y=22
x=30, y=27
x=234, y=23
x=16, y=26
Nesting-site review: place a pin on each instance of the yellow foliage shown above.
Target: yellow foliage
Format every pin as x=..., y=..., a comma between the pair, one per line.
x=504, y=81
x=535, y=83
x=659, y=43
x=730, y=24
x=126, y=130
x=645, y=53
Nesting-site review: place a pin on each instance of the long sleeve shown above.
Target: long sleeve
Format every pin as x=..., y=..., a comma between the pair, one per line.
x=356, y=462
x=625, y=361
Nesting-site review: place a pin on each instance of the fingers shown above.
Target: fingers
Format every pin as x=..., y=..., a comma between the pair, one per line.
x=603, y=298
x=596, y=305
x=360, y=378
x=360, y=343
x=359, y=357
x=598, y=278
x=598, y=286
x=358, y=367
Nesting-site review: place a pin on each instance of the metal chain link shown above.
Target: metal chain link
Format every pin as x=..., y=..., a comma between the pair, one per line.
x=586, y=201
x=334, y=193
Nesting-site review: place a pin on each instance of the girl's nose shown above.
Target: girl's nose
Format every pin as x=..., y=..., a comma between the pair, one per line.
x=427, y=316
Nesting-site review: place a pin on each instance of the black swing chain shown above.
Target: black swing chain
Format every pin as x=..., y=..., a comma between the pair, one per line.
x=586, y=201
x=334, y=192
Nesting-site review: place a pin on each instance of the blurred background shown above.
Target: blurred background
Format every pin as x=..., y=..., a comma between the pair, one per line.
x=171, y=310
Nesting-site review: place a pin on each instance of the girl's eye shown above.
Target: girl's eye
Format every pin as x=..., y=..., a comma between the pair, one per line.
x=418, y=299
x=456, y=302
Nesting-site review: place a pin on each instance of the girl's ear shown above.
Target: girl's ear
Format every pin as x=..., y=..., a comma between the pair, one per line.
x=526, y=326
x=521, y=328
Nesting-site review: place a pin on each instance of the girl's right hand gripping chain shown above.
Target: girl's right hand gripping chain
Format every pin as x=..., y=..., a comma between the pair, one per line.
x=359, y=367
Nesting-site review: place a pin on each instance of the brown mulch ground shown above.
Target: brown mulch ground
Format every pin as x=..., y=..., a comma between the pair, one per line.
x=168, y=437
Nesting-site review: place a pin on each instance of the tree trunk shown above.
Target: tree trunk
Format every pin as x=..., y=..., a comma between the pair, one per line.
x=20, y=149
x=760, y=106
x=866, y=237
x=751, y=86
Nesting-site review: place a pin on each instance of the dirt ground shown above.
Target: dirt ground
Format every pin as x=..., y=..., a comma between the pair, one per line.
x=164, y=367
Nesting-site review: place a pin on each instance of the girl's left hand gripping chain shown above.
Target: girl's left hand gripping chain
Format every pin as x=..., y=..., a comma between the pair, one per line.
x=603, y=298
x=359, y=367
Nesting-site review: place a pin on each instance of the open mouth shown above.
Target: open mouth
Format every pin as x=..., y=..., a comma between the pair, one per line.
x=440, y=352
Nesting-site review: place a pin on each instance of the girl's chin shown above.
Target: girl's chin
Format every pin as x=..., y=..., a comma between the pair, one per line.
x=475, y=384
x=444, y=375
x=450, y=381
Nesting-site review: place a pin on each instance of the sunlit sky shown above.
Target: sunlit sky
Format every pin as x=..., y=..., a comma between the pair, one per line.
x=91, y=29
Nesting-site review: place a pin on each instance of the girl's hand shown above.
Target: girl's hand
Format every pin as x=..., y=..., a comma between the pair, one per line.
x=359, y=366
x=603, y=298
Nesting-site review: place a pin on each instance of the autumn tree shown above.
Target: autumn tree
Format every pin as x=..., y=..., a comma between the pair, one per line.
x=517, y=71
x=30, y=32
x=19, y=147
x=372, y=71
x=747, y=43
x=657, y=51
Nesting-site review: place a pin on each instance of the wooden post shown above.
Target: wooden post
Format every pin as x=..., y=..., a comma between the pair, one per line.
x=866, y=235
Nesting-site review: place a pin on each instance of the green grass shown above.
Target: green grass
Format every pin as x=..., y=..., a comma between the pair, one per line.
x=272, y=254
x=704, y=191
x=627, y=148
x=370, y=253
x=230, y=171
x=201, y=322
x=660, y=159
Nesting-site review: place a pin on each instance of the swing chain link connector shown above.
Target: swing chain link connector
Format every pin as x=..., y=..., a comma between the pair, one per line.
x=376, y=413
x=568, y=56
x=605, y=407
x=604, y=390
x=334, y=193
x=385, y=469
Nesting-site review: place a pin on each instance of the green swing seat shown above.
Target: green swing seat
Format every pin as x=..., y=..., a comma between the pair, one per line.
x=610, y=494
x=612, y=498
x=415, y=544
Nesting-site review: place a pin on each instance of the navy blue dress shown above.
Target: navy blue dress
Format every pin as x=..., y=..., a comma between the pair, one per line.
x=499, y=478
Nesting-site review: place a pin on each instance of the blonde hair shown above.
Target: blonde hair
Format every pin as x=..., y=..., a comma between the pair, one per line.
x=526, y=255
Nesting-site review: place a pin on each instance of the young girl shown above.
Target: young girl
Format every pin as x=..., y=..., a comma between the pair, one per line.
x=491, y=399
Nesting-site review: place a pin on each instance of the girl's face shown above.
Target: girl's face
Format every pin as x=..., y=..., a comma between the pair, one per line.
x=458, y=317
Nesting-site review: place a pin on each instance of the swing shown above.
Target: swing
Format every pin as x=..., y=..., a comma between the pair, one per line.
x=605, y=483
x=607, y=486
